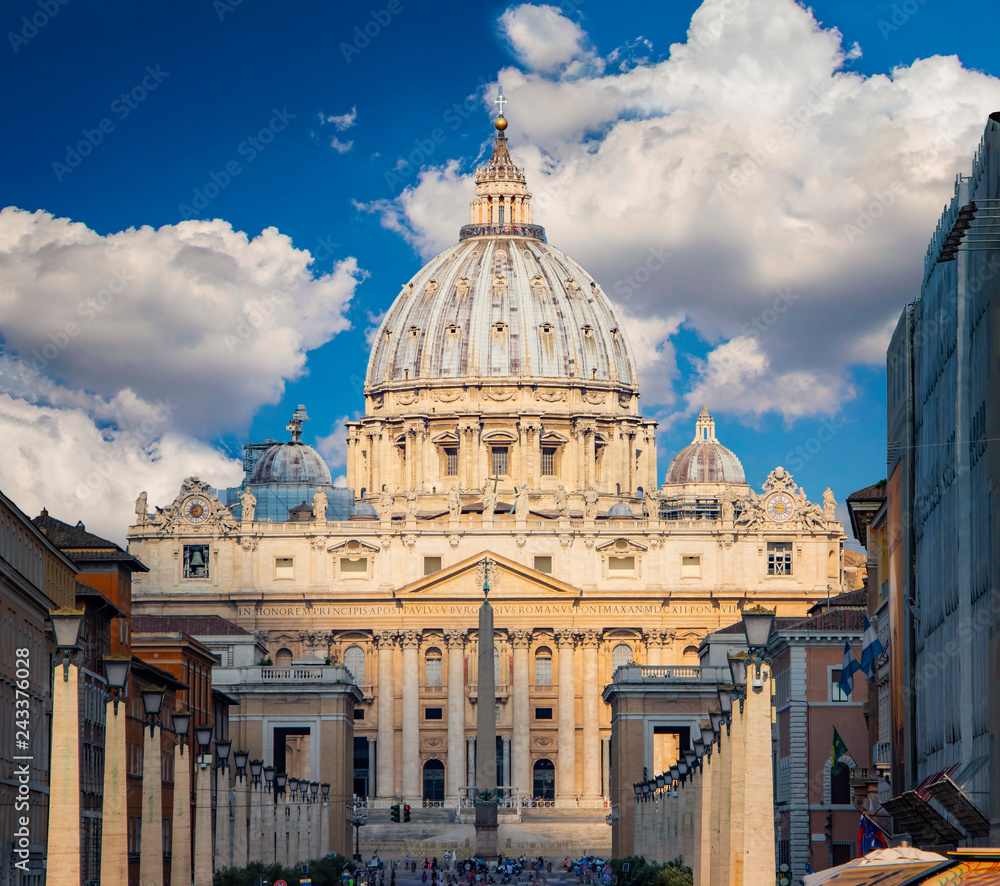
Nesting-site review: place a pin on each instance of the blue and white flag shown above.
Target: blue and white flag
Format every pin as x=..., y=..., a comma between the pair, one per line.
x=871, y=649
x=847, y=671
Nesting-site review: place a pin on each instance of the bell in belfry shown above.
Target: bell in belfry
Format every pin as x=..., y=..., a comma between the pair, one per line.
x=197, y=560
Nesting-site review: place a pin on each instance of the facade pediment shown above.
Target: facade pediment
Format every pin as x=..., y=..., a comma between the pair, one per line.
x=448, y=438
x=353, y=549
x=552, y=438
x=621, y=547
x=499, y=436
x=510, y=581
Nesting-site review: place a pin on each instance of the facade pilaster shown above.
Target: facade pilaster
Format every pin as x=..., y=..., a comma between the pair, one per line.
x=410, y=641
x=385, y=769
x=455, y=641
x=520, y=716
x=591, y=735
x=470, y=765
x=566, y=768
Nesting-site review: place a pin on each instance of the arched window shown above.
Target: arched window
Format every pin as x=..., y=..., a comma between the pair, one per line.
x=283, y=658
x=620, y=655
x=433, y=666
x=690, y=656
x=354, y=661
x=543, y=666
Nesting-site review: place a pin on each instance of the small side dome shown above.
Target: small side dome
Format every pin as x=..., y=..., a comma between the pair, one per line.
x=620, y=511
x=705, y=460
x=293, y=463
x=362, y=510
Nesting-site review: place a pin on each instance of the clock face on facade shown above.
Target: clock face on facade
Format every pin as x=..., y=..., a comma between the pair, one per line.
x=780, y=507
x=196, y=509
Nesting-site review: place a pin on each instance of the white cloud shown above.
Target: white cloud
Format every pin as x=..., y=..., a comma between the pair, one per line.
x=542, y=38
x=737, y=378
x=753, y=156
x=341, y=147
x=122, y=353
x=342, y=121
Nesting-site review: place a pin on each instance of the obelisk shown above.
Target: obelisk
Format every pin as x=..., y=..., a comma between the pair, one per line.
x=486, y=733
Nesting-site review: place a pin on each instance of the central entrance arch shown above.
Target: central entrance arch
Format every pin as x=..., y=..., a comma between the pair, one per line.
x=544, y=780
x=434, y=781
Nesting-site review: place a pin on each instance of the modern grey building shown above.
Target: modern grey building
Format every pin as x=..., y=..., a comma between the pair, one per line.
x=943, y=521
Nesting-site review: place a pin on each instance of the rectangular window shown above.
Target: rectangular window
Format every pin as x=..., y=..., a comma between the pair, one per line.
x=500, y=461
x=543, y=713
x=451, y=461
x=196, y=561
x=621, y=565
x=548, y=461
x=501, y=215
x=284, y=567
x=543, y=564
x=836, y=691
x=691, y=567
x=354, y=568
x=434, y=671
x=779, y=558
x=359, y=713
x=432, y=565
x=433, y=713
x=543, y=671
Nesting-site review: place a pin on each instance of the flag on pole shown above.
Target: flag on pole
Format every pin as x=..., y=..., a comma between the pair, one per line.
x=870, y=836
x=848, y=670
x=871, y=649
x=839, y=751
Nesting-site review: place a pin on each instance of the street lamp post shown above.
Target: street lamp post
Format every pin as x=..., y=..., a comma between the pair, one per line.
x=270, y=832
x=114, y=826
x=203, y=809
x=151, y=851
x=358, y=821
x=223, y=849
x=324, y=821
x=240, y=810
x=758, y=796
x=281, y=820
x=255, y=841
x=63, y=843
x=180, y=859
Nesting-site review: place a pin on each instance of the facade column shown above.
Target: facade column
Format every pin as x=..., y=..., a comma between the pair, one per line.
x=732, y=864
x=256, y=833
x=566, y=767
x=180, y=827
x=591, y=733
x=411, y=717
x=470, y=765
x=606, y=767
x=114, y=830
x=151, y=848
x=758, y=830
x=372, y=757
x=630, y=454
x=505, y=756
x=386, y=778
x=223, y=858
x=455, y=641
x=240, y=844
x=520, y=715
x=203, y=824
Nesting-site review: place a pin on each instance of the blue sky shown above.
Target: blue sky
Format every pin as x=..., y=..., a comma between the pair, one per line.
x=290, y=117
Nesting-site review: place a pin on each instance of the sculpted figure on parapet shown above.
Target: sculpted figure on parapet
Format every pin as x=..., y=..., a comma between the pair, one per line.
x=651, y=498
x=249, y=502
x=455, y=501
x=590, y=500
x=562, y=501
x=751, y=513
x=319, y=504
x=386, y=499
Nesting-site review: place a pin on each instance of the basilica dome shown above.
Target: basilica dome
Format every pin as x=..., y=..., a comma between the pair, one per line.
x=705, y=459
x=501, y=304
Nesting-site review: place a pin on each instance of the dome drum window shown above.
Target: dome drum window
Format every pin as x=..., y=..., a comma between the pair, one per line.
x=499, y=328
